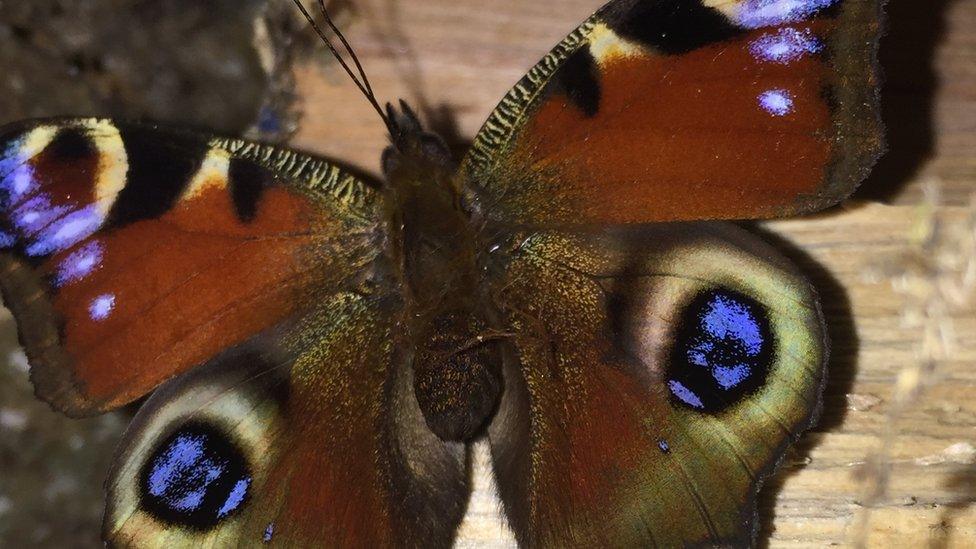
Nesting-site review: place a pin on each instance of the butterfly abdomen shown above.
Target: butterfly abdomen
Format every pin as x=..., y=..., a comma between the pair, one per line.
x=447, y=315
x=457, y=375
x=456, y=362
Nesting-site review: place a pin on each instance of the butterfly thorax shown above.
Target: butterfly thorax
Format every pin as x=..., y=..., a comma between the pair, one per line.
x=447, y=318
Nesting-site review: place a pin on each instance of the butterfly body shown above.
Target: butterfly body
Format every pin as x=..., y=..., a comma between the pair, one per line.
x=448, y=315
x=320, y=348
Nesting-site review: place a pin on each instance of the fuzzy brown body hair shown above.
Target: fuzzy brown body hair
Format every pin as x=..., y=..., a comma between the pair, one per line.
x=449, y=320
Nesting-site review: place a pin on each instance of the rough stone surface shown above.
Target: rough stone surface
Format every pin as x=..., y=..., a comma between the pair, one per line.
x=171, y=60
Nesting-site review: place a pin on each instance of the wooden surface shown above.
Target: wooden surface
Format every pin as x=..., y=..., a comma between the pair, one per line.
x=893, y=461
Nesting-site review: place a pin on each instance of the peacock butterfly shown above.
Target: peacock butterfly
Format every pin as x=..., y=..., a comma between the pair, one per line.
x=321, y=349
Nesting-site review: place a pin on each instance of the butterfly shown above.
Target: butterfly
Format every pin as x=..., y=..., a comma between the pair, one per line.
x=321, y=349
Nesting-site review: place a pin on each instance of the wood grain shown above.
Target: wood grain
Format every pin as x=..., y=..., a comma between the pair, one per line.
x=893, y=461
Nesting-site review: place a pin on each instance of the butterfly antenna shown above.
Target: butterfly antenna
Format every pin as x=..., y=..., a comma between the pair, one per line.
x=361, y=81
x=345, y=44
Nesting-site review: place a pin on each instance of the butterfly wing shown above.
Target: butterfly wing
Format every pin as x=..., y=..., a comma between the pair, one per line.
x=133, y=254
x=658, y=376
x=661, y=110
x=130, y=252
x=306, y=437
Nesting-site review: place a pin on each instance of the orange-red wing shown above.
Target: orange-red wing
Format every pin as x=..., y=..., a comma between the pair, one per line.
x=661, y=110
x=131, y=253
x=308, y=436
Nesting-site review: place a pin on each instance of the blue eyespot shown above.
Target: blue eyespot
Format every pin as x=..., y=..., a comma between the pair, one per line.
x=17, y=180
x=722, y=352
x=753, y=14
x=80, y=263
x=101, y=307
x=785, y=46
x=195, y=478
x=776, y=102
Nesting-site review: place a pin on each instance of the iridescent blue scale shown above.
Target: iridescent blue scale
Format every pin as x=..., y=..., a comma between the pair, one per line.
x=722, y=352
x=196, y=477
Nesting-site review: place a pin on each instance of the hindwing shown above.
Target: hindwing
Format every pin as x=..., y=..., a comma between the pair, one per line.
x=657, y=377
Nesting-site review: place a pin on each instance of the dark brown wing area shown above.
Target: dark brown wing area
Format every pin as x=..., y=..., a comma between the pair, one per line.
x=131, y=253
x=661, y=110
x=658, y=376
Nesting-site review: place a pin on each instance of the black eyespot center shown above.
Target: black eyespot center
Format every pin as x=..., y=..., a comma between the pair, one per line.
x=71, y=144
x=196, y=477
x=723, y=351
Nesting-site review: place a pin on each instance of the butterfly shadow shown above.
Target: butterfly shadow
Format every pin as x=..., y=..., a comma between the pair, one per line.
x=910, y=83
x=945, y=533
x=841, y=370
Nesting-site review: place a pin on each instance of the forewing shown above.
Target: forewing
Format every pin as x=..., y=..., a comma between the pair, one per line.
x=130, y=253
x=309, y=436
x=662, y=110
x=657, y=377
